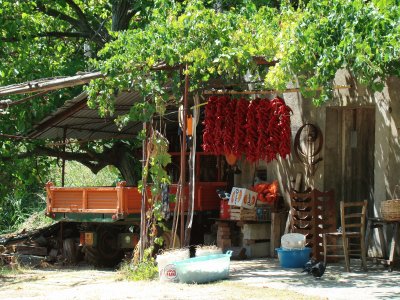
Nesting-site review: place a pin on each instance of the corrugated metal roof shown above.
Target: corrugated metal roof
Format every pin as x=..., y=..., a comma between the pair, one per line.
x=76, y=120
x=82, y=123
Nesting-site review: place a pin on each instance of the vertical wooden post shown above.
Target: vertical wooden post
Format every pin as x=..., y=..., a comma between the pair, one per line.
x=63, y=158
x=275, y=241
x=143, y=203
x=49, y=197
x=183, y=152
x=120, y=196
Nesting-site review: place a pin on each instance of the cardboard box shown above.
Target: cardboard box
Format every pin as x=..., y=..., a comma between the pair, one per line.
x=243, y=198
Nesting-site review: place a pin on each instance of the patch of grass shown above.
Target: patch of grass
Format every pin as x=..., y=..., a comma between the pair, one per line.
x=15, y=210
x=36, y=220
x=7, y=271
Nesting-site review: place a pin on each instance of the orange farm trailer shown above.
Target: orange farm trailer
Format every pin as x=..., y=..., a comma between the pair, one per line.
x=104, y=221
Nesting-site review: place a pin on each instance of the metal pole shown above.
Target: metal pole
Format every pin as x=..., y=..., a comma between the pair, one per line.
x=183, y=151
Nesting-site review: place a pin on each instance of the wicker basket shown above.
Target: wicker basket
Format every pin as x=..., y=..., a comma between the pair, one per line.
x=390, y=210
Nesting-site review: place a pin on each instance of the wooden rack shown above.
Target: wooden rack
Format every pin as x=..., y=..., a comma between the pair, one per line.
x=312, y=214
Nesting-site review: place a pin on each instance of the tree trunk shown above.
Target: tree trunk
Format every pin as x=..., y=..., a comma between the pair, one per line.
x=121, y=15
x=127, y=164
x=127, y=168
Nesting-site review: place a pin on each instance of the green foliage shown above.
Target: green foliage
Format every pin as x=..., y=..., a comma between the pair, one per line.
x=159, y=158
x=77, y=175
x=28, y=53
x=345, y=34
x=7, y=271
x=21, y=185
x=36, y=219
x=144, y=270
x=15, y=211
x=312, y=40
x=212, y=43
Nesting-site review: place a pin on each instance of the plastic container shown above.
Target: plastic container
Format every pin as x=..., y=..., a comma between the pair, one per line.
x=224, y=212
x=204, y=269
x=294, y=258
x=165, y=264
x=293, y=241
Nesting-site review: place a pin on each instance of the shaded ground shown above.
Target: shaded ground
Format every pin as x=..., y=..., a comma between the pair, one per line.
x=376, y=283
x=253, y=279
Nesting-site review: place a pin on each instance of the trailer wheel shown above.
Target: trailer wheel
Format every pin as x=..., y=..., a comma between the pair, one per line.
x=107, y=252
x=167, y=236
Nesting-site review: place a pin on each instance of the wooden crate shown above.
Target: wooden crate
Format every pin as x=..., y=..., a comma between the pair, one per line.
x=243, y=214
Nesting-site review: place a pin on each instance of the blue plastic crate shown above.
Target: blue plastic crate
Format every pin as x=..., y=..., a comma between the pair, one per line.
x=204, y=268
x=293, y=258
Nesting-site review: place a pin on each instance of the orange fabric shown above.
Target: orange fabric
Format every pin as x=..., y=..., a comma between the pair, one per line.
x=189, y=128
x=267, y=192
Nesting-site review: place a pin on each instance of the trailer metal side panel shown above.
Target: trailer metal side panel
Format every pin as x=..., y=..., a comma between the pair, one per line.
x=67, y=199
x=132, y=200
x=102, y=199
x=120, y=201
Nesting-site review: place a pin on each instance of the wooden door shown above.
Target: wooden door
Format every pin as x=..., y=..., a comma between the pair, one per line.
x=349, y=152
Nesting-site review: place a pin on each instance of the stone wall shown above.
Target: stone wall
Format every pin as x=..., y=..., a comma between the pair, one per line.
x=387, y=145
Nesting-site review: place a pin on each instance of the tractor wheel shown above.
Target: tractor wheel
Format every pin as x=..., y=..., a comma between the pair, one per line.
x=106, y=253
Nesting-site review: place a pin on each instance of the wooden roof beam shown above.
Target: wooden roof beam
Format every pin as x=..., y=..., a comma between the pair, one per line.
x=48, y=85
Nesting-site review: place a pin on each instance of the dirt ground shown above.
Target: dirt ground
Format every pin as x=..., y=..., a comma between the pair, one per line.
x=251, y=279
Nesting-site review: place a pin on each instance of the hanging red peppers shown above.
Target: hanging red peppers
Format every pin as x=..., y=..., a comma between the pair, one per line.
x=209, y=136
x=260, y=128
x=239, y=140
x=220, y=124
x=229, y=127
x=284, y=126
x=252, y=122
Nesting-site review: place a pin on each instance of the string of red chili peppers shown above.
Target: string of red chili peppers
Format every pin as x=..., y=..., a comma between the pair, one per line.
x=260, y=128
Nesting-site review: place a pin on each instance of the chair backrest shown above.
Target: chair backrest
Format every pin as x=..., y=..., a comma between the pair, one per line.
x=353, y=216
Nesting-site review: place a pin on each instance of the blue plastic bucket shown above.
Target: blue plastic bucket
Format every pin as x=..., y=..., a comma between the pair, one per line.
x=293, y=258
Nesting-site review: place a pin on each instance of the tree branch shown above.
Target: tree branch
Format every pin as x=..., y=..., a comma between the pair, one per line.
x=85, y=25
x=58, y=34
x=79, y=12
x=58, y=15
x=119, y=155
x=80, y=24
x=94, y=165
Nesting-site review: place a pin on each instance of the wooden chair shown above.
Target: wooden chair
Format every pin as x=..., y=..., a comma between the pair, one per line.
x=352, y=218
